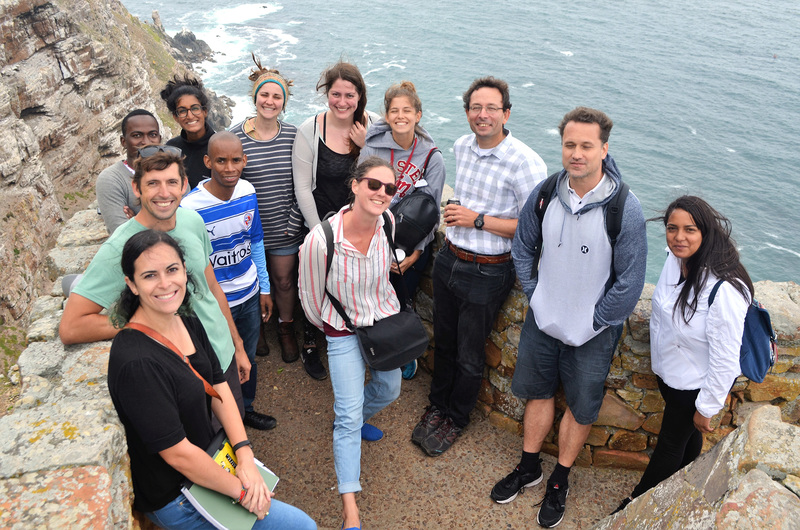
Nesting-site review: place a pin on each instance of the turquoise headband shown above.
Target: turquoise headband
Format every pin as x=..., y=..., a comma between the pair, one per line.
x=265, y=81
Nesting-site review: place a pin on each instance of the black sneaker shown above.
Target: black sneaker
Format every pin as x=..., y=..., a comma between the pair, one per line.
x=312, y=364
x=431, y=419
x=442, y=438
x=507, y=489
x=256, y=420
x=553, y=505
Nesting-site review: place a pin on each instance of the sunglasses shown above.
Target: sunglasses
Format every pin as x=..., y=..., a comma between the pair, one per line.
x=375, y=185
x=151, y=150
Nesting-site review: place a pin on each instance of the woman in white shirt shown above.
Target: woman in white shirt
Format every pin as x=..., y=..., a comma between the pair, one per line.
x=694, y=347
x=359, y=279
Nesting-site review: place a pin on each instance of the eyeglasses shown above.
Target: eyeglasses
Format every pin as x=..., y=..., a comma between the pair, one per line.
x=375, y=185
x=181, y=112
x=151, y=150
x=491, y=109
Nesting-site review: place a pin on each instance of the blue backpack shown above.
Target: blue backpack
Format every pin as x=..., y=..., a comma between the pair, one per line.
x=757, y=354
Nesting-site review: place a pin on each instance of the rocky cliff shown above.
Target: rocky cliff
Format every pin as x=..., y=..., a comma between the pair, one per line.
x=70, y=70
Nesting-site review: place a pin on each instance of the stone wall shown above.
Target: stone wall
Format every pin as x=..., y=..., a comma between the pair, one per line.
x=63, y=457
x=630, y=418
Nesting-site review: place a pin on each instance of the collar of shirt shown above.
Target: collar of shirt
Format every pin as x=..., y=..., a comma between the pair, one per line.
x=498, y=151
x=575, y=202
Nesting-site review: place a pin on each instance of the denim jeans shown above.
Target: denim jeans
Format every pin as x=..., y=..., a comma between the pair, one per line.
x=466, y=299
x=179, y=514
x=247, y=317
x=543, y=361
x=354, y=403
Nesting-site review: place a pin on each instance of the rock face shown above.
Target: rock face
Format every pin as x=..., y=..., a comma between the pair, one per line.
x=749, y=480
x=70, y=70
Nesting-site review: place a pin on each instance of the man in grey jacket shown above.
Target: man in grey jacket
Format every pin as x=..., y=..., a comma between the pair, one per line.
x=579, y=298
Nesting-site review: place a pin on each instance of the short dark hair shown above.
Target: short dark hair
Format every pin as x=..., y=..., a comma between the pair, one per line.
x=587, y=115
x=135, y=246
x=488, y=82
x=131, y=114
x=178, y=87
x=157, y=162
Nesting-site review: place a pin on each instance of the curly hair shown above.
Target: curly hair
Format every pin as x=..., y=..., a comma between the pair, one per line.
x=178, y=86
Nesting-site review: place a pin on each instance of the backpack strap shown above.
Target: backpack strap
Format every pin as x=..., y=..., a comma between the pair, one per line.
x=542, y=200
x=328, y=231
x=614, y=211
x=714, y=292
x=428, y=159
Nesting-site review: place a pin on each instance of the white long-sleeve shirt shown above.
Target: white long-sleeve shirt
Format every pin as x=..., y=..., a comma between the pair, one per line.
x=360, y=282
x=704, y=353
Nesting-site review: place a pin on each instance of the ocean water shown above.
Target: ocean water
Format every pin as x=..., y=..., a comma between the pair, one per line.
x=705, y=96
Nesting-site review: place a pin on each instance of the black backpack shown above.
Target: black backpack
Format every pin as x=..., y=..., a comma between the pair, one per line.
x=614, y=210
x=415, y=215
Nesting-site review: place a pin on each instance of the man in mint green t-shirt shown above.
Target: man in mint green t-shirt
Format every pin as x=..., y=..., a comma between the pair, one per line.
x=159, y=183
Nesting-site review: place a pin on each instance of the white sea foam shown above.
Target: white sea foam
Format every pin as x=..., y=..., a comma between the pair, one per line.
x=692, y=130
x=527, y=85
x=295, y=23
x=728, y=149
x=241, y=13
x=567, y=53
x=784, y=249
x=552, y=132
x=433, y=117
x=371, y=71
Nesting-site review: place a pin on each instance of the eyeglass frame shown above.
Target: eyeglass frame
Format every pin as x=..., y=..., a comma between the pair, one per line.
x=196, y=110
x=477, y=109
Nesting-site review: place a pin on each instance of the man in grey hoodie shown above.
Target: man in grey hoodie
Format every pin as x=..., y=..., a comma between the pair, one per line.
x=581, y=294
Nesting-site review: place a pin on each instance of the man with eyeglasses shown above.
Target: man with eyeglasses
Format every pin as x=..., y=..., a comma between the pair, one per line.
x=473, y=272
x=159, y=182
x=113, y=187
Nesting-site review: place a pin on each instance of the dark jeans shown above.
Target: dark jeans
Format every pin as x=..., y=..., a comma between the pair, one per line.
x=412, y=276
x=679, y=442
x=247, y=317
x=466, y=299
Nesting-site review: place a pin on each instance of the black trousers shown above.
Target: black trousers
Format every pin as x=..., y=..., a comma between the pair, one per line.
x=679, y=442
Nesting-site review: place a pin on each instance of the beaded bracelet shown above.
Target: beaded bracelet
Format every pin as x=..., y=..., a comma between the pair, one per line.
x=241, y=497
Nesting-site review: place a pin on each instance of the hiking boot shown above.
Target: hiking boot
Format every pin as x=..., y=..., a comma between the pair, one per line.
x=553, y=505
x=312, y=364
x=409, y=370
x=431, y=419
x=442, y=438
x=507, y=489
x=289, y=350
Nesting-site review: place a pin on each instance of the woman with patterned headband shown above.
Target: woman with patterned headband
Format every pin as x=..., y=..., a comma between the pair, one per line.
x=267, y=142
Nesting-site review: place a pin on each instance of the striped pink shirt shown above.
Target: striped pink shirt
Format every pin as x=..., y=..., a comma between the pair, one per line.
x=361, y=283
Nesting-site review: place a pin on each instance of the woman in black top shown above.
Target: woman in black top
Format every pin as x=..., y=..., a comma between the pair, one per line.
x=188, y=103
x=166, y=407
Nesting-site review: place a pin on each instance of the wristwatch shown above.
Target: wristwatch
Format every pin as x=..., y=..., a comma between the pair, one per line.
x=479, y=222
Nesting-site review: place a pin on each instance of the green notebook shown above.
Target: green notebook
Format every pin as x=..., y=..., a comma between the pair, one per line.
x=216, y=507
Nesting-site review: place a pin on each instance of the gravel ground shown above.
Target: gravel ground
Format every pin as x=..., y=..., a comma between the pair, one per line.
x=402, y=487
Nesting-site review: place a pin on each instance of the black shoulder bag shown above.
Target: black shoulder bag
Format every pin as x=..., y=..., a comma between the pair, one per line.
x=390, y=342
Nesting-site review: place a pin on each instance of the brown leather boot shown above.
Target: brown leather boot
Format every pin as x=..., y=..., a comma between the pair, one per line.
x=289, y=350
